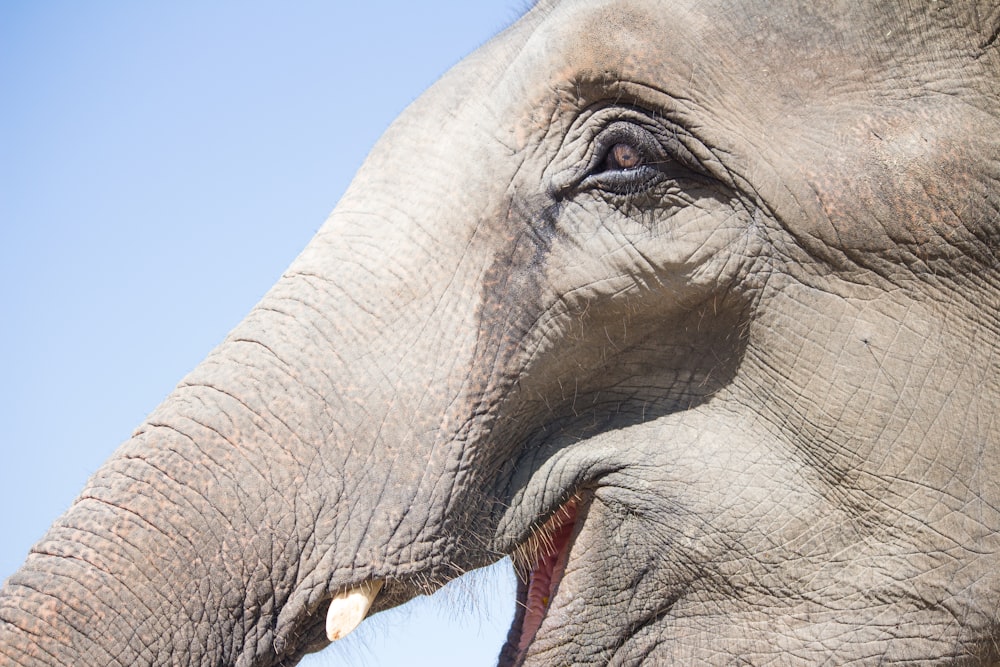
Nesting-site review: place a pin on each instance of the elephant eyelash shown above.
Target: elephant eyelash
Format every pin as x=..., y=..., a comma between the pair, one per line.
x=628, y=181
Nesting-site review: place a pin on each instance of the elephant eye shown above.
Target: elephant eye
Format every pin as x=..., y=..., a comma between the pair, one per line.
x=622, y=156
x=626, y=159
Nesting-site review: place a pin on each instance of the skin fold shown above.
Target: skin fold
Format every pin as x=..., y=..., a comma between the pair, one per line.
x=720, y=277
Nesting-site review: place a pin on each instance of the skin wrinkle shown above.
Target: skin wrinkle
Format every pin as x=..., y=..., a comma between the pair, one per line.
x=80, y=629
x=90, y=495
x=235, y=446
x=259, y=560
x=136, y=515
x=343, y=294
x=158, y=529
x=261, y=419
x=217, y=463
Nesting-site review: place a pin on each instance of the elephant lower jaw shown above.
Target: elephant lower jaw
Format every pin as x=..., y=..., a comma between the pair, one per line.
x=543, y=558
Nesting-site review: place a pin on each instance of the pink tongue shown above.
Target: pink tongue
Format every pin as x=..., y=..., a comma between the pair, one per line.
x=547, y=572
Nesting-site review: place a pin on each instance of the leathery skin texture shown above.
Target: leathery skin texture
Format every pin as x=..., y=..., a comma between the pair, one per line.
x=691, y=308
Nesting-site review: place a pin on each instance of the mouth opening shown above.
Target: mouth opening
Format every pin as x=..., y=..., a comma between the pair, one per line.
x=541, y=563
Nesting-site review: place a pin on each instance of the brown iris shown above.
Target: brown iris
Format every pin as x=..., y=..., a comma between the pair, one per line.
x=621, y=157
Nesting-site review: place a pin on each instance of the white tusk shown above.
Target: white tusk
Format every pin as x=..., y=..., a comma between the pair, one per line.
x=349, y=608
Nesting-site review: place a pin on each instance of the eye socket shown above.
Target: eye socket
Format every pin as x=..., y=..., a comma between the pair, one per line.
x=631, y=155
x=626, y=160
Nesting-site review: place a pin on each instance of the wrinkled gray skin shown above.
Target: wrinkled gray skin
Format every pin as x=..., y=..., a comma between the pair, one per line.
x=765, y=353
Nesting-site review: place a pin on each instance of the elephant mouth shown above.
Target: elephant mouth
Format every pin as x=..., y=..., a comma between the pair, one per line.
x=540, y=564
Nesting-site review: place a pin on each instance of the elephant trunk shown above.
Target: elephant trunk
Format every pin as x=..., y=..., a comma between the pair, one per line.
x=320, y=450
x=305, y=457
x=161, y=538
x=265, y=485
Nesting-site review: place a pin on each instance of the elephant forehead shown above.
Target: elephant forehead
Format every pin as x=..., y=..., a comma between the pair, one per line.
x=760, y=42
x=749, y=82
x=829, y=114
x=753, y=61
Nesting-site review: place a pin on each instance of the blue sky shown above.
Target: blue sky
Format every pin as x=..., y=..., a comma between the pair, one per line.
x=161, y=163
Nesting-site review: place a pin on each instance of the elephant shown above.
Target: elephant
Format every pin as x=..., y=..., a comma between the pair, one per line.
x=690, y=308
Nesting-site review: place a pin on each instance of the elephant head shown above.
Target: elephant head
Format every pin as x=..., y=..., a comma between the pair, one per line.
x=690, y=307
